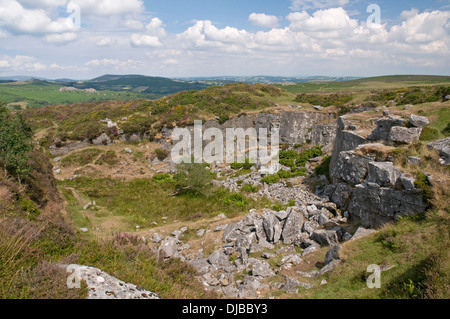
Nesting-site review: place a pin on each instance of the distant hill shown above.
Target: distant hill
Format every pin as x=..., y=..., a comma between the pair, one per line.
x=138, y=84
x=268, y=79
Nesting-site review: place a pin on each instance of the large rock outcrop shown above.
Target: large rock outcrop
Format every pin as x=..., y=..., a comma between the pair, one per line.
x=369, y=189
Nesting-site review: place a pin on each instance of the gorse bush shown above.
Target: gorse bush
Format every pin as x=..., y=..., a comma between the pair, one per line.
x=415, y=95
x=324, y=100
x=161, y=178
x=235, y=199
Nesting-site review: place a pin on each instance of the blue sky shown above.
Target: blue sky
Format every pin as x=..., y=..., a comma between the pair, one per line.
x=179, y=38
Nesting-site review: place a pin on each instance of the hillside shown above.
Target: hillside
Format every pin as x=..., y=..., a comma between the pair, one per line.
x=37, y=93
x=103, y=192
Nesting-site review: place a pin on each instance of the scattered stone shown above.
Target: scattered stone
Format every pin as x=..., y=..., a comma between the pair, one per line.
x=325, y=237
x=418, y=121
x=443, y=147
x=84, y=230
x=408, y=106
x=168, y=248
x=220, y=228
x=292, y=227
x=103, y=139
x=414, y=160
x=361, y=232
x=101, y=285
x=267, y=255
x=404, y=135
x=129, y=151
x=291, y=285
x=156, y=238
x=318, y=107
x=332, y=254
x=201, y=232
x=262, y=269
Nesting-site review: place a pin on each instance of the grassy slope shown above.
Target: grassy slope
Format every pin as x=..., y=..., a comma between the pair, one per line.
x=368, y=84
x=417, y=248
x=37, y=94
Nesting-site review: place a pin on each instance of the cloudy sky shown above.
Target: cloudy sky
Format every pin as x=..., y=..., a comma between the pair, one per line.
x=83, y=39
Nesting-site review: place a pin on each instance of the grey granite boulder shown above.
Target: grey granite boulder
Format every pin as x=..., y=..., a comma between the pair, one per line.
x=384, y=126
x=404, y=135
x=325, y=237
x=443, y=147
x=418, y=121
x=292, y=227
x=383, y=173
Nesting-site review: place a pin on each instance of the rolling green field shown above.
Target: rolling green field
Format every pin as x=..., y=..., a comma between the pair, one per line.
x=40, y=93
x=367, y=84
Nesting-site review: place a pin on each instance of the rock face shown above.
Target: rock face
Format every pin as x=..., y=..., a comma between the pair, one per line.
x=443, y=147
x=295, y=127
x=404, y=135
x=371, y=191
x=103, y=286
x=418, y=121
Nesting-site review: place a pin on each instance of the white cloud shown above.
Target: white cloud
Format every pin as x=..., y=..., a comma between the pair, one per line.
x=61, y=38
x=22, y=63
x=264, y=20
x=36, y=4
x=114, y=63
x=107, y=42
x=4, y=64
x=19, y=20
x=143, y=40
x=298, y=5
x=156, y=28
x=134, y=24
x=334, y=19
x=421, y=27
x=110, y=7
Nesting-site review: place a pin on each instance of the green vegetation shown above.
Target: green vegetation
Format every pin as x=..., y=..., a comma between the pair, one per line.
x=324, y=167
x=15, y=143
x=249, y=188
x=109, y=158
x=236, y=199
x=246, y=165
x=161, y=154
x=295, y=161
x=324, y=100
x=367, y=84
x=81, y=158
x=41, y=93
x=412, y=95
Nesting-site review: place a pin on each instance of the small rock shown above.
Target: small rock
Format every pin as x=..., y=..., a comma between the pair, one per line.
x=267, y=255
x=418, y=121
x=414, y=160
x=84, y=230
x=128, y=150
x=201, y=232
x=332, y=254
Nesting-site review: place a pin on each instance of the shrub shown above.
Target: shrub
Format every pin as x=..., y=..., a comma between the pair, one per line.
x=235, y=199
x=423, y=183
x=446, y=130
x=249, y=188
x=161, y=154
x=324, y=167
x=270, y=179
x=161, y=178
x=29, y=208
x=246, y=165
x=429, y=134
x=109, y=158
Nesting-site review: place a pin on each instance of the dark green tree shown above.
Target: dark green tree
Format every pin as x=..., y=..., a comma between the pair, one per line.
x=15, y=143
x=193, y=178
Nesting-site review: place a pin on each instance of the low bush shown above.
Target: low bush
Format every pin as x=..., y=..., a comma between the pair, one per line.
x=235, y=199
